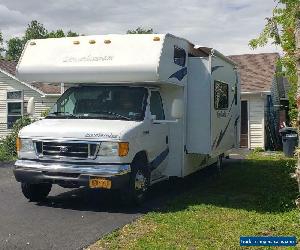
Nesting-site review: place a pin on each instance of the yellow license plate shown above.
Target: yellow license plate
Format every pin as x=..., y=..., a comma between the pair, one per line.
x=100, y=183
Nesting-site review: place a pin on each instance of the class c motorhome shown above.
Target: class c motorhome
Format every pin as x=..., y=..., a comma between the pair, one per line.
x=139, y=109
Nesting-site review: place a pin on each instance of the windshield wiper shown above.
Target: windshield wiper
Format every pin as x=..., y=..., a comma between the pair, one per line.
x=112, y=114
x=55, y=114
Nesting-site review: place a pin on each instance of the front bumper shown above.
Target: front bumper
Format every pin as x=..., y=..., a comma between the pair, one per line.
x=69, y=174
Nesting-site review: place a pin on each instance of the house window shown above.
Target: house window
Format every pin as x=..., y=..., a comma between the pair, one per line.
x=221, y=95
x=14, y=107
x=179, y=56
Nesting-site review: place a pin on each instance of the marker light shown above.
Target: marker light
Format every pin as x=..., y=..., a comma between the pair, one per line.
x=18, y=144
x=156, y=38
x=76, y=42
x=107, y=41
x=92, y=41
x=123, y=148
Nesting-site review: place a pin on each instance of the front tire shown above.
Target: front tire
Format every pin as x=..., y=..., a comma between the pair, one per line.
x=36, y=192
x=139, y=183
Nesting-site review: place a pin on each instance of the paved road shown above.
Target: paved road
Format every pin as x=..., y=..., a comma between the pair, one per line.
x=69, y=218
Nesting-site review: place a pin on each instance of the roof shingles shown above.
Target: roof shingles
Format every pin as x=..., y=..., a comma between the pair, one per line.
x=8, y=66
x=257, y=71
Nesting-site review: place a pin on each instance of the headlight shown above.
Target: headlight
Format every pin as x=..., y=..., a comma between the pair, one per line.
x=113, y=149
x=25, y=145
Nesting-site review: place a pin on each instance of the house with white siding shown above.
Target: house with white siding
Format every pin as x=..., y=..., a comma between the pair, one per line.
x=262, y=91
x=14, y=96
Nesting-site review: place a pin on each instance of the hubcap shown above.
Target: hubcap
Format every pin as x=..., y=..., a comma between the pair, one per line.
x=140, y=181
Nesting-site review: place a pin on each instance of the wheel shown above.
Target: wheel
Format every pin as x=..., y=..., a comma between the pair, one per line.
x=36, y=192
x=139, y=183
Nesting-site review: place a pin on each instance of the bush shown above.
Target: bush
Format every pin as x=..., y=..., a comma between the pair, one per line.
x=258, y=149
x=45, y=112
x=8, y=145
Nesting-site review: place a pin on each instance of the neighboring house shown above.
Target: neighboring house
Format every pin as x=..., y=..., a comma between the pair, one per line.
x=14, y=96
x=261, y=93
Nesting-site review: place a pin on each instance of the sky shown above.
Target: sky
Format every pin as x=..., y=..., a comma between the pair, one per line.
x=225, y=25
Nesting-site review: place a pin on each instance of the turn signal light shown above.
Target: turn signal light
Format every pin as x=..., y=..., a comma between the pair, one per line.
x=123, y=148
x=18, y=144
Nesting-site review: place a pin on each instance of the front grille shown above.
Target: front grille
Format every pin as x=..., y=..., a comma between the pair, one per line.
x=77, y=150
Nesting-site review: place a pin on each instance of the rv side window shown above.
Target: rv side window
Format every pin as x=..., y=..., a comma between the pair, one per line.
x=179, y=56
x=156, y=106
x=221, y=95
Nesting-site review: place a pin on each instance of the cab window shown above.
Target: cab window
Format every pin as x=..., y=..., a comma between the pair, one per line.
x=156, y=105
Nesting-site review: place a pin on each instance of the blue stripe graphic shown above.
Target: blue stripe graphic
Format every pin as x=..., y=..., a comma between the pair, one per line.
x=179, y=74
x=159, y=159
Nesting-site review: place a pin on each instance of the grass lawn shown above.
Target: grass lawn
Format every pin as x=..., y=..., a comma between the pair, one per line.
x=254, y=197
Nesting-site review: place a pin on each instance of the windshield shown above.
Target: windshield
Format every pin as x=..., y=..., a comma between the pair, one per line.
x=101, y=102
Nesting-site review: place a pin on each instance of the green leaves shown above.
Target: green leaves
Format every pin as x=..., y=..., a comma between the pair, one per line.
x=14, y=48
x=8, y=144
x=280, y=30
x=1, y=45
x=35, y=30
x=140, y=30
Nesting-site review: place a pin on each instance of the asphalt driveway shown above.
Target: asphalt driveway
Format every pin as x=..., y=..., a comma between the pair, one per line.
x=68, y=219
x=73, y=218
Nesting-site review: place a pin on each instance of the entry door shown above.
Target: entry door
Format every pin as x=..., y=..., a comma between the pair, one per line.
x=158, y=136
x=244, y=124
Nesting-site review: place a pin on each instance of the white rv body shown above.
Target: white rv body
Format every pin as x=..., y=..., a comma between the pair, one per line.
x=204, y=80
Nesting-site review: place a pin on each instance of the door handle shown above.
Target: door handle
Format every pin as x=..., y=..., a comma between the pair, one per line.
x=146, y=132
x=167, y=140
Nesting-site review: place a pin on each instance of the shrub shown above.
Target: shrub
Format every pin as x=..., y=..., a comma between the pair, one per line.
x=258, y=149
x=45, y=112
x=8, y=145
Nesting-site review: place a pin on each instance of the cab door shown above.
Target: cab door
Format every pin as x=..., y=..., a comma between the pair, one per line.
x=159, y=136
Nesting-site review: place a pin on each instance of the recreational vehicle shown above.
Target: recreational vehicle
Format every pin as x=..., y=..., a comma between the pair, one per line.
x=138, y=109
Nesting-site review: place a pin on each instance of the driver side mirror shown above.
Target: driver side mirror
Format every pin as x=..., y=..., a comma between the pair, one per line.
x=30, y=106
x=177, y=109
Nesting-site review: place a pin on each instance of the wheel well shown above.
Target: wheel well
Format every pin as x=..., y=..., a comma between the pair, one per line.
x=140, y=157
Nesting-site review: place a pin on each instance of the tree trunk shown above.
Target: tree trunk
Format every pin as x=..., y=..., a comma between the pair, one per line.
x=297, y=54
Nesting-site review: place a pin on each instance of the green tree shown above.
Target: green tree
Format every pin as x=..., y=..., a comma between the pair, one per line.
x=34, y=30
x=56, y=34
x=283, y=29
x=14, y=48
x=280, y=30
x=1, y=45
x=140, y=30
x=70, y=33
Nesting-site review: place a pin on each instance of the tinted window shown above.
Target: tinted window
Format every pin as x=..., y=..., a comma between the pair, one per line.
x=102, y=102
x=179, y=56
x=221, y=95
x=156, y=106
x=14, y=108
